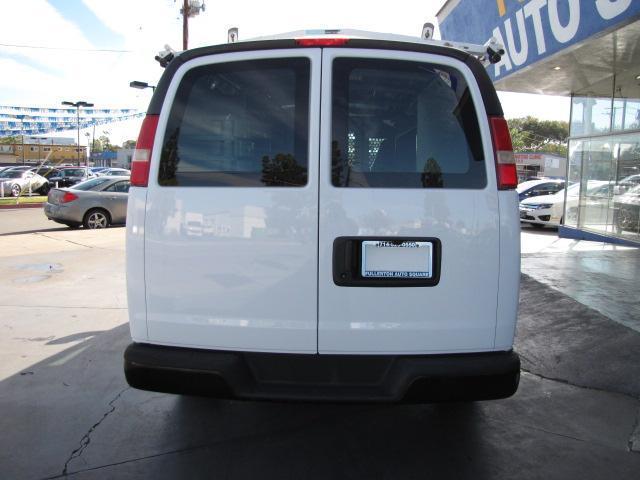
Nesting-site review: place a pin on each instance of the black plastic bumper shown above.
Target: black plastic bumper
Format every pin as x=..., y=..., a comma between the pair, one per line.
x=341, y=378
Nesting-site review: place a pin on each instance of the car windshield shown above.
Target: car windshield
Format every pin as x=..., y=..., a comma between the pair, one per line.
x=90, y=184
x=526, y=185
x=11, y=174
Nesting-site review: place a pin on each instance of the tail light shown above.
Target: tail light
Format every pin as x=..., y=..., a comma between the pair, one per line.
x=321, y=42
x=503, y=151
x=142, y=153
x=68, y=197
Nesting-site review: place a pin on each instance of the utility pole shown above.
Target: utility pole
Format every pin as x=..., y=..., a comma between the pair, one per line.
x=185, y=25
x=190, y=8
x=21, y=118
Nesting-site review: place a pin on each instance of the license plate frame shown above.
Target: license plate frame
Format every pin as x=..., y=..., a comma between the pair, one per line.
x=396, y=259
x=347, y=263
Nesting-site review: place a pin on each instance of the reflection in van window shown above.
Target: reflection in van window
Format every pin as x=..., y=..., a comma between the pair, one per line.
x=239, y=124
x=400, y=124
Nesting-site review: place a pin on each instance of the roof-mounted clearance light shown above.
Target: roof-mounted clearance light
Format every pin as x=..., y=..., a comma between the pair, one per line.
x=322, y=42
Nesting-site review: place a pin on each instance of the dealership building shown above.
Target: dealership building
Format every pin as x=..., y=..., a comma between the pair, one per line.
x=588, y=50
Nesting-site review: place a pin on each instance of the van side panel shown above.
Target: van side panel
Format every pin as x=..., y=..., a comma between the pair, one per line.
x=136, y=207
x=509, y=280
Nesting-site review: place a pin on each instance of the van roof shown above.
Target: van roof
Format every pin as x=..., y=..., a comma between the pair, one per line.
x=356, y=40
x=471, y=48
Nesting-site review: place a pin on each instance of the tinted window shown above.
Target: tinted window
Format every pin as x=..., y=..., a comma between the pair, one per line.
x=74, y=172
x=122, y=187
x=399, y=124
x=239, y=124
x=90, y=184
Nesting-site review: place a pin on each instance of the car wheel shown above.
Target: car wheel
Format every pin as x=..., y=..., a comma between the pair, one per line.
x=44, y=189
x=15, y=190
x=96, y=218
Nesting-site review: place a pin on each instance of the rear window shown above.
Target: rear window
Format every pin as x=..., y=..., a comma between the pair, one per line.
x=90, y=184
x=401, y=124
x=239, y=124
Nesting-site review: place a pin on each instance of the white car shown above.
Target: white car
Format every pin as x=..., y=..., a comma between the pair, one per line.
x=324, y=216
x=548, y=210
x=16, y=182
x=540, y=187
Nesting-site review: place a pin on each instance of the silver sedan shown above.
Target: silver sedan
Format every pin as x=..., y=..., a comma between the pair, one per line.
x=95, y=203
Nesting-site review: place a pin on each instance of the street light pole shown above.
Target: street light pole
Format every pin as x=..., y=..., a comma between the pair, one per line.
x=77, y=105
x=88, y=135
x=142, y=85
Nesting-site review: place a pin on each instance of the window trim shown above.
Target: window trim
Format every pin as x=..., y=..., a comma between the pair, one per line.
x=472, y=89
x=313, y=56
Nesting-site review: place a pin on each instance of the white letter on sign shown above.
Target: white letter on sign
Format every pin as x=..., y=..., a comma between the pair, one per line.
x=518, y=57
x=609, y=9
x=564, y=33
x=532, y=9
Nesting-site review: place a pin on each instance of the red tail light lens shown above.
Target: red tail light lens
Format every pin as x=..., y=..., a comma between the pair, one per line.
x=321, y=42
x=507, y=175
x=68, y=197
x=142, y=153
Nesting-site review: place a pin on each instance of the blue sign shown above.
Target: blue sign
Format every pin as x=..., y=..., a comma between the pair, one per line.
x=535, y=29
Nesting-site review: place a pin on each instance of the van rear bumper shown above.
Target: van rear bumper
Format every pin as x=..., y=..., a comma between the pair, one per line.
x=332, y=378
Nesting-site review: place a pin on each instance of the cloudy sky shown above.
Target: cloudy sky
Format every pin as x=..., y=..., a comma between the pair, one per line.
x=57, y=50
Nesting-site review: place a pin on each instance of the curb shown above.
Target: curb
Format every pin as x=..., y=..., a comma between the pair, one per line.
x=23, y=205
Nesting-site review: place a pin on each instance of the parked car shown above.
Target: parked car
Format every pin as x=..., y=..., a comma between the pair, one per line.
x=548, y=210
x=15, y=182
x=539, y=187
x=627, y=211
x=325, y=217
x=110, y=172
x=71, y=175
x=49, y=173
x=97, y=170
x=95, y=203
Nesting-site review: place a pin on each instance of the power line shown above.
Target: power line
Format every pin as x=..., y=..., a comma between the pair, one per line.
x=40, y=47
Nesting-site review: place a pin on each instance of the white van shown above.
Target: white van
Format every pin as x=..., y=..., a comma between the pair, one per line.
x=324, y=217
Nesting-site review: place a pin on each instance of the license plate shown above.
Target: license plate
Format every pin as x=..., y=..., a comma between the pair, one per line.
x=407, y=259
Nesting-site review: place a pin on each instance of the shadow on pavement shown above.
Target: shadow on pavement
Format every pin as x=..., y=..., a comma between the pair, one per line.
x=39, y=230
x=74, y=415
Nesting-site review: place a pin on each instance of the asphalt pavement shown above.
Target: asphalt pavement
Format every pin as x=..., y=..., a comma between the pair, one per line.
x=67, y=411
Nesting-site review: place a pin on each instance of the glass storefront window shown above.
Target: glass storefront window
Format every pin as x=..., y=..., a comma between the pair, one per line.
x=604, y=195
x=590, y=115
x=627, y=114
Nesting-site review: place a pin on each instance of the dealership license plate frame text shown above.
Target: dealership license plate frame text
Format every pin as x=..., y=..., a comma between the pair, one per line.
x=402, y=259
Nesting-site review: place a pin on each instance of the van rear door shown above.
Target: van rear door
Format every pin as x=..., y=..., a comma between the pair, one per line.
x=231, y=212
x=409, y=223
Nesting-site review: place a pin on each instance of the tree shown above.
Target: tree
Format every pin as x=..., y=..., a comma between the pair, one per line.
x=532, y=134
x=129, y=144
x=103, y=144
x=9, y=140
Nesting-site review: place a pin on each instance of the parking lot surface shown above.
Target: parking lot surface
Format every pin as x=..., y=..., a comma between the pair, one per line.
x=67, y=411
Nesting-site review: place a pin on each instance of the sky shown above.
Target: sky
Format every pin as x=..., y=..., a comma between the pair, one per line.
x=69, y=50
